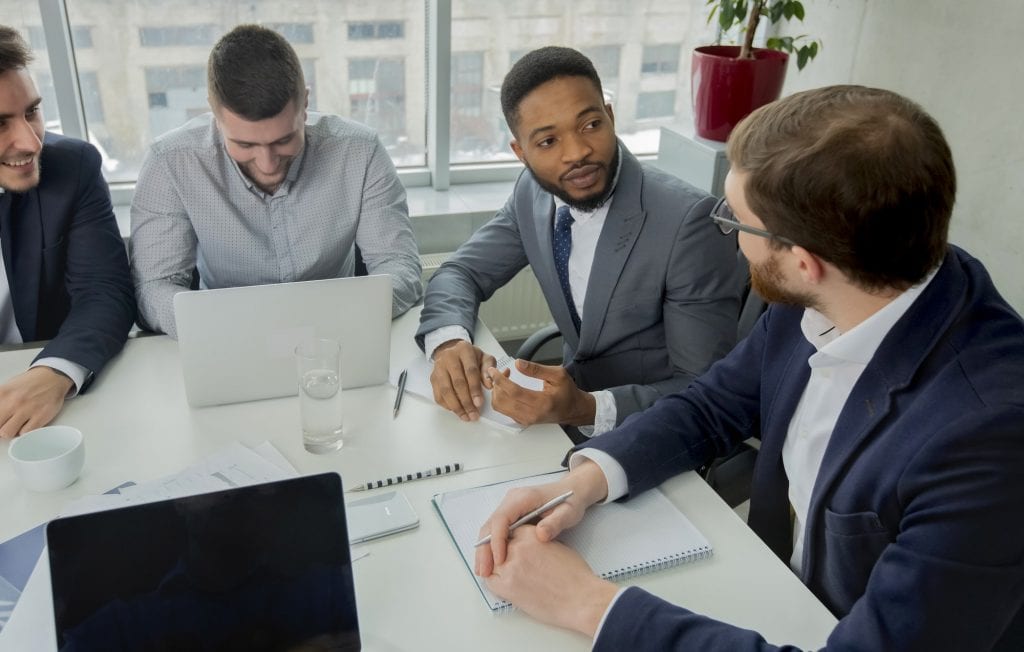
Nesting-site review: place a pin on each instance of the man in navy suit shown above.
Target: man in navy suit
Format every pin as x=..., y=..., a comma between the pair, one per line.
x=886, y=385
x=64, y=276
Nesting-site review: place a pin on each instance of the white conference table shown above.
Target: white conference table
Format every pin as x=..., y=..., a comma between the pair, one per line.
x=413, y=590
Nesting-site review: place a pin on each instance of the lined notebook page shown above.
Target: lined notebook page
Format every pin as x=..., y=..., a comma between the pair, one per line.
x=618, y=540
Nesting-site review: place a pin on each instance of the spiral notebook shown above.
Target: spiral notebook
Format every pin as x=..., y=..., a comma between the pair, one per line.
x=619, y=540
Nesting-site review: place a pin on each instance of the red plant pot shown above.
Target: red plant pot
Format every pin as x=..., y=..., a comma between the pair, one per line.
x=726, y=89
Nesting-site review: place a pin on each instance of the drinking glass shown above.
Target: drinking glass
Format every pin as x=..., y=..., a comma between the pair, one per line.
x=319, y=370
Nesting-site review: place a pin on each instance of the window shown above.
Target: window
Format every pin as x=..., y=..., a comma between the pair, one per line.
x=382, y=30
x=470, y=124
x=606, y=61
x=176, y=95
x=660, y=59
x=620, y=38
x=657, y=104
x=376, y=90
x=158, y=37
x=135, y=88
x=82, y=37
x=296, y=33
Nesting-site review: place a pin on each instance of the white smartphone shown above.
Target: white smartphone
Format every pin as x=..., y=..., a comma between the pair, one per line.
x=378, y=516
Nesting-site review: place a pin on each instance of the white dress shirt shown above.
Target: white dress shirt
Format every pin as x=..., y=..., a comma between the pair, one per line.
x=835, y=368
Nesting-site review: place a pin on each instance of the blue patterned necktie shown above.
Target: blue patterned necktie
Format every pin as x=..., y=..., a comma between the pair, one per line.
x=561, y=247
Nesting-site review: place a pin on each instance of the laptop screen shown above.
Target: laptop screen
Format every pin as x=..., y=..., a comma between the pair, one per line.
x=263, y=567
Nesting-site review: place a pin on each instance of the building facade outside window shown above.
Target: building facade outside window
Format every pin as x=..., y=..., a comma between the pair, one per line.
x=367, y=61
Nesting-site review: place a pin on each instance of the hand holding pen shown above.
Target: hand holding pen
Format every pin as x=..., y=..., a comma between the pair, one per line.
x=569, y=498
x=526, y=518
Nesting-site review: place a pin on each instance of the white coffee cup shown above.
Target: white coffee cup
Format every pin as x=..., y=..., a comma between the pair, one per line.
x=48, y=458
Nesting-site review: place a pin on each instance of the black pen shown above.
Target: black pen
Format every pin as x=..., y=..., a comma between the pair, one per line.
x=401, y=390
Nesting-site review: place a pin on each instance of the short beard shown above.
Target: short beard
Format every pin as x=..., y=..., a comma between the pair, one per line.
x=766, y=280
x=39, y=177
x=590, y=202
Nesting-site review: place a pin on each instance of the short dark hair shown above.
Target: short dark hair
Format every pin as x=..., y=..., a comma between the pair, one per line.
x=14, y=52
x=860, y=176
x=254, y=72
x=538, y=67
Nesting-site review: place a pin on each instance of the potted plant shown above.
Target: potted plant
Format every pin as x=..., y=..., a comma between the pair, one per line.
x=730, y=81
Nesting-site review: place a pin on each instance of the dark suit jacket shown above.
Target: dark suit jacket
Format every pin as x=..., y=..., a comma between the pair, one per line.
x=662, y=298
x=66, y=262
x=914, y=536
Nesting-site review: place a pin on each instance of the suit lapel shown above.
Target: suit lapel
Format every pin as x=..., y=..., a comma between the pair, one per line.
x=769, y=514
x=621, y=228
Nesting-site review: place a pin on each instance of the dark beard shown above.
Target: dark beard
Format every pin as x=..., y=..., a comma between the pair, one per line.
x=591, y=202
x=766, y=280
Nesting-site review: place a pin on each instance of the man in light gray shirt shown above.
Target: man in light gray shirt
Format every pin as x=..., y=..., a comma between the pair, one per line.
x=259, y=191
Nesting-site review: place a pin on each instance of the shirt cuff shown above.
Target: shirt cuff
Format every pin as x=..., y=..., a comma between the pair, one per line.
x=611, y=605
x=605, y=413
x=614, y=474
x=436, y=338
x=76, y=372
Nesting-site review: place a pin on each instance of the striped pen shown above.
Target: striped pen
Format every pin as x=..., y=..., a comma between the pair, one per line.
x=409, y=477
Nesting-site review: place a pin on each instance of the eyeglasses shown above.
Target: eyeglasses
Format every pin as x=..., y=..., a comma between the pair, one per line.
x=727, y=223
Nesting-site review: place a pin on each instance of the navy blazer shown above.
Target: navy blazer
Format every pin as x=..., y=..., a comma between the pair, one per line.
x=915, y=535
x=66, y=263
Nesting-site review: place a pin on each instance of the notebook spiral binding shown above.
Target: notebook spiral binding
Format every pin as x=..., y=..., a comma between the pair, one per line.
x=658, y=564
x=637, y=570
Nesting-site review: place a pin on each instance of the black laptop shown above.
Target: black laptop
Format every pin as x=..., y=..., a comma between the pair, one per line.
x=263, y=567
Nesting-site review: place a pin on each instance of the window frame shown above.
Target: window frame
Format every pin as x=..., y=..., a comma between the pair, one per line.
x=439, y=172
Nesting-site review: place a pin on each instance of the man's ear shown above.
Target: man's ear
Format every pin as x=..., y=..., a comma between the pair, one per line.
x=810, y=266
x=517, y=150
x=611, y=114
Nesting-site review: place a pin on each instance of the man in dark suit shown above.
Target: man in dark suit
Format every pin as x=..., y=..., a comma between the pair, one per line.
x=644, y=289
x=886, y=385
x=65, y=272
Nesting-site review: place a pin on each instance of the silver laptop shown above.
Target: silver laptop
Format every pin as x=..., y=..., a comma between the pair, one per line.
x=238, y=344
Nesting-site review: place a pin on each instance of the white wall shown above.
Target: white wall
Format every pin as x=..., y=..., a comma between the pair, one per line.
x=961, y=61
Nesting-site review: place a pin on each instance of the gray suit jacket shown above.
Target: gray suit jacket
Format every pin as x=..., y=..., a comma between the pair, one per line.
x=663, y=295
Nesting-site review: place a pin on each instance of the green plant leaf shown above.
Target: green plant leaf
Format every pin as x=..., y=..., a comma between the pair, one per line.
x=814, y=49
x=798, y=10
x=741, y=11
x=775, y=13
x=802, y=56
x=725, y=14
x=788, y=10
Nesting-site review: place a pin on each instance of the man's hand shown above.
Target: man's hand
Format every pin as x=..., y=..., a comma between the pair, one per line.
x=552, y=583
x=457, y=378
x=31, y=400
x=559, y=402
x=588, y=485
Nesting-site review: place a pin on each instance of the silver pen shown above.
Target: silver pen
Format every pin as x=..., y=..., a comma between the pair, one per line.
x=526, y=518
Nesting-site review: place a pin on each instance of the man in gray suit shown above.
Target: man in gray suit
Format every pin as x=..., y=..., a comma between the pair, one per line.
x=642, y=284
x=260, y=192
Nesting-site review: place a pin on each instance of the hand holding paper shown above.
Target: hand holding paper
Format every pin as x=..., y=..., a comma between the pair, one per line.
x=533, y=393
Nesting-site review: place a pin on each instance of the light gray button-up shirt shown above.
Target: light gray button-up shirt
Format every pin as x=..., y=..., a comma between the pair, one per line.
x=193, y=208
